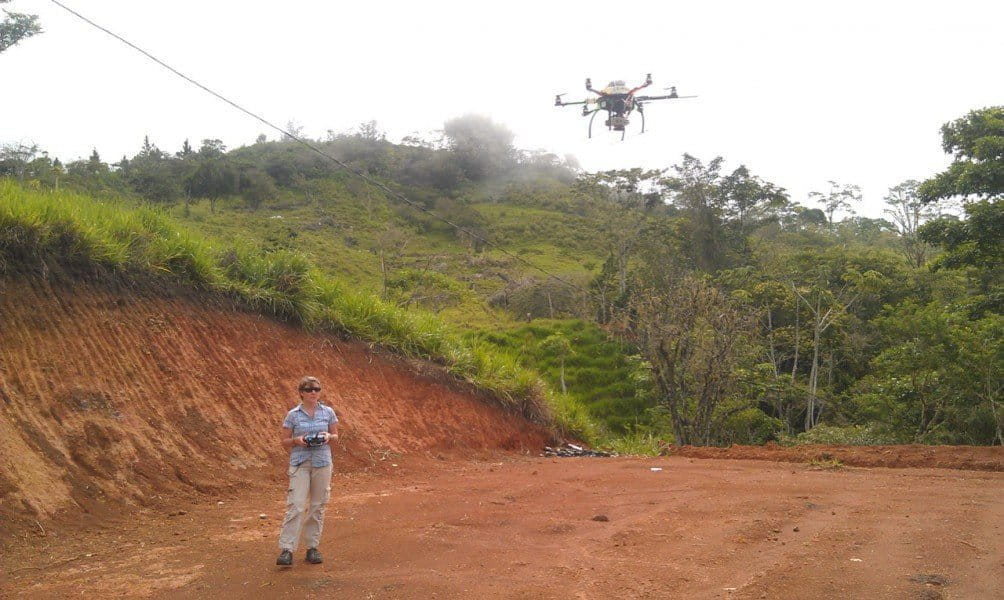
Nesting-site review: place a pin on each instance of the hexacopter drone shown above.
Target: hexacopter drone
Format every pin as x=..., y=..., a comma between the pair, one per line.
x=618, y=101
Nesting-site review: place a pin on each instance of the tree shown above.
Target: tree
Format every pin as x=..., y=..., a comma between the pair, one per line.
x=622, y=202
x=294, y=130
x=212, y=148
x=750, y=201
x=94, y=164
x=908, y=214
x=940, y=377
x=694, y=191
x=212, y=179
x=483, y=148
x=840, y=198
x=16, y=27
x=14, y=159
x=368, y=130
x=186, y=150
x=696, y=341
x=977, y=171
x=975, y=243
x=257, y=187
x=810, y=216
x=826, y=306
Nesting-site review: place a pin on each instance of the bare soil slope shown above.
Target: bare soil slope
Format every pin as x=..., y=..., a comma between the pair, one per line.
x=113, y=396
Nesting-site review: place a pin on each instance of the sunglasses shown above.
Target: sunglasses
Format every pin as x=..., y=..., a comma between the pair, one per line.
x=305, y=390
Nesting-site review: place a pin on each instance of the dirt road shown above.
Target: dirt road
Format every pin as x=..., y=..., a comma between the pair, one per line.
x=522, y=527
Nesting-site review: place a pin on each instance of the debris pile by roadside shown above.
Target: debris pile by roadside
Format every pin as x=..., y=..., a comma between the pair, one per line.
x=573, y=450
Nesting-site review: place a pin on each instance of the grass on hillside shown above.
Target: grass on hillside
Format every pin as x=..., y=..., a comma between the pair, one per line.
x=40, y=226
x=343, y=234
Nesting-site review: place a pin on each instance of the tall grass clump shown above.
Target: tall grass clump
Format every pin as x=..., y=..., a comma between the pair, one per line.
x=637, y=443
x=40, y=227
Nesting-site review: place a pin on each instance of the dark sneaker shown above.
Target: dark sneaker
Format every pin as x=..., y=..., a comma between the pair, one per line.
x=285, y=559
x=314, y=557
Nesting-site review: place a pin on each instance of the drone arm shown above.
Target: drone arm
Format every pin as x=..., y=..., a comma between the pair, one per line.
x=648, y=82
x=559, y=102
x=668, y=97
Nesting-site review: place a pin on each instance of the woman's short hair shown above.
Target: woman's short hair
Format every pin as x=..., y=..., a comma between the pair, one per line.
x=306, y=380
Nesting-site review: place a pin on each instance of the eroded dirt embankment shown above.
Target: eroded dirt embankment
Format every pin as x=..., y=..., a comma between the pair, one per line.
x=113, y=394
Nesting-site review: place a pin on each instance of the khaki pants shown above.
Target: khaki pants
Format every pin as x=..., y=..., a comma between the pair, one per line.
x=305, y=483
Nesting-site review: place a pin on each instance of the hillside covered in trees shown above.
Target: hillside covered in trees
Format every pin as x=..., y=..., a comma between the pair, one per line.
x=688, y=304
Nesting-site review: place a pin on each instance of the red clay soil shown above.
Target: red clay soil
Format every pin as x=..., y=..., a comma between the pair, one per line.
x=976, y=458
x=138, y=452
x=530, y=528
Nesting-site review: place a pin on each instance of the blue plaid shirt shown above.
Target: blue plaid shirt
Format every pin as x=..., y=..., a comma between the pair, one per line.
x=300, y=422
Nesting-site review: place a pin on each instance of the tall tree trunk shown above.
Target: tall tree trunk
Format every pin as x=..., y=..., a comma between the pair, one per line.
x=810, y=413
x=794, y=362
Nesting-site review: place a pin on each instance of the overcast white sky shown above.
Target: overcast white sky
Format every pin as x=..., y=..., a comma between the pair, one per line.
x=800, y=92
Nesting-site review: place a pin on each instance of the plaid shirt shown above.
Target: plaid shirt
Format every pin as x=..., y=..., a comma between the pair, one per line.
x=300, y=423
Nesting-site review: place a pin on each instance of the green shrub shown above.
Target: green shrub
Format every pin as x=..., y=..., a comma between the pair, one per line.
x=852, y=435
x=750, y=427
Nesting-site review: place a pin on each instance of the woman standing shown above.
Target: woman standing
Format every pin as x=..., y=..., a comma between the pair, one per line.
x=307, y=430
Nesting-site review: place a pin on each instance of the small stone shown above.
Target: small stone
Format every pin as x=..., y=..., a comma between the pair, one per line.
x=220, y=503
x=603, y=518
x=262, y=516
x=794, y=529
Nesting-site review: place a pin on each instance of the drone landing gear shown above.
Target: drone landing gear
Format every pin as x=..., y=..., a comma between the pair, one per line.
x=591, y=122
